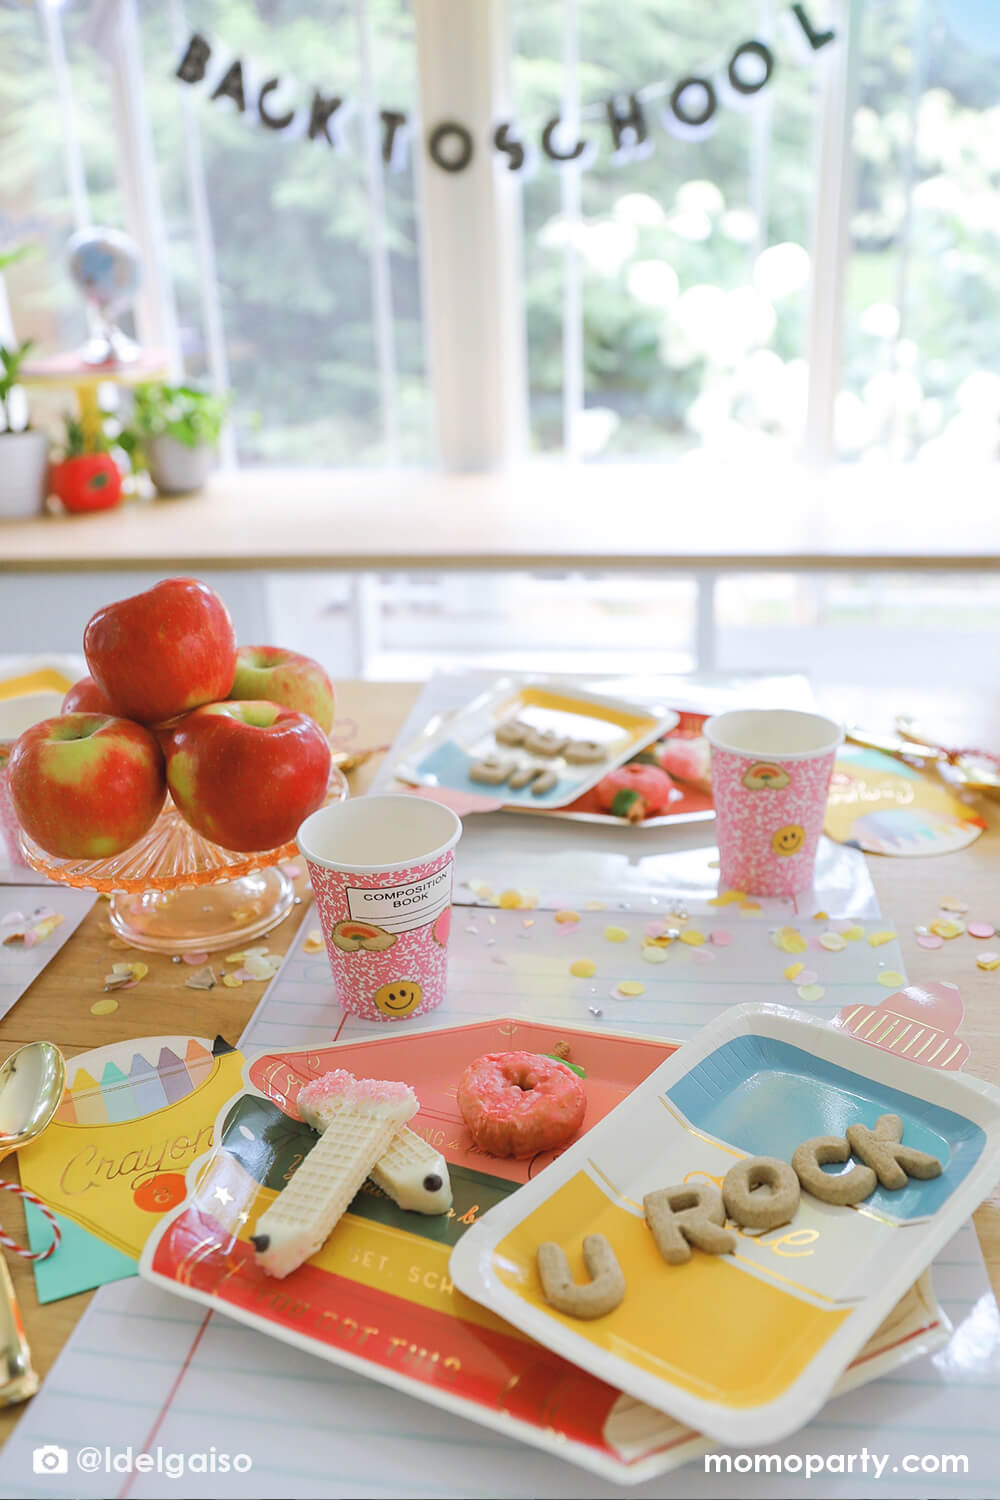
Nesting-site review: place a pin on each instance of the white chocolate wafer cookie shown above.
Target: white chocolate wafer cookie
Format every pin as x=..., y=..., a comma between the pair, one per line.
x=357, y=1118
x=413, y=1174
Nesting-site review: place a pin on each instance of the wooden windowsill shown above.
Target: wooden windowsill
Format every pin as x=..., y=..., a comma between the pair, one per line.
x=544, y=515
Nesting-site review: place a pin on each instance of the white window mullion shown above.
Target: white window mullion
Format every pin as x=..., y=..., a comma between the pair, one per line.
x=837, y=72
x=155, y=310
x=574, y=391
x=213, y=327
x=471, y=238
x=76, y=177
x=381, y=277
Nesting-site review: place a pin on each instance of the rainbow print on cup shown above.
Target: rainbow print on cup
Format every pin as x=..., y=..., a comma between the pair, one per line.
x=771, y=772
x=381, y=871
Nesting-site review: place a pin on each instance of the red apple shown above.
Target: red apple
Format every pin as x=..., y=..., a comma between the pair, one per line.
x=163, y=652
x=85, y=697
x=85, y=786
x=285, y=677
x=246, y=775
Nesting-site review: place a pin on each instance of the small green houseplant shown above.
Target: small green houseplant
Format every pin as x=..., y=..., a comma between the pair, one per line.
x=24, y=452
x=175, y=428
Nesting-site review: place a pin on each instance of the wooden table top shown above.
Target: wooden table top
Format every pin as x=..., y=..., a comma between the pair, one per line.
x=542, y=515
x=57, y=1006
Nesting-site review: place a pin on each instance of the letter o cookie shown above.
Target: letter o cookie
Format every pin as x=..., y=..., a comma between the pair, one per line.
x=594, y=1299
x=843, y=1188
x=755, y=1209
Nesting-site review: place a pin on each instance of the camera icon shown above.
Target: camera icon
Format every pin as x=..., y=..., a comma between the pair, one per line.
x=50, y=1459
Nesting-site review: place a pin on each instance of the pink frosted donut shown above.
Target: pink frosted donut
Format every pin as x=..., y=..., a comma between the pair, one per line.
x=517, y=1103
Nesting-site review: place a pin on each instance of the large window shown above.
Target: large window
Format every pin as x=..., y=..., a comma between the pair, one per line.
x=666, y=291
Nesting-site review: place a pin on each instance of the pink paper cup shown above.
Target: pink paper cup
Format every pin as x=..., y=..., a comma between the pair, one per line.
x=381, y=870
x=771, y=771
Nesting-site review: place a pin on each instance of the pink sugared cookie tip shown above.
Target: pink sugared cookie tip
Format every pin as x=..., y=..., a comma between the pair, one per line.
x=340, y=1084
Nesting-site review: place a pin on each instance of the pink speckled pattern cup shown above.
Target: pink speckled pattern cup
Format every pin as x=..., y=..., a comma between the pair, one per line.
x=381, y=871
x=771, y=771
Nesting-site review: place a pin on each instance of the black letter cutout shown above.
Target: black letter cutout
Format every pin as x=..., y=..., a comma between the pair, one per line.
x=231, y=86
x=436, y=140
x=816, y=39
x=394, y=139
x=751, y=49
x=628, y=128
x=192, y=68
x=273, y=122
x=320, y=115
x=708, y=108
x=550, y=150
x=511, y=148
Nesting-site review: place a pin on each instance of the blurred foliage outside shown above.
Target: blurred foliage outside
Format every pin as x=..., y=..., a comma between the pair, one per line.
x=695, y=259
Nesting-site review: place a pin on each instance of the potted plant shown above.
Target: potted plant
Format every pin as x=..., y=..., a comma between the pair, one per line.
x=176, y=429
x=24, y=453
x=86, y=477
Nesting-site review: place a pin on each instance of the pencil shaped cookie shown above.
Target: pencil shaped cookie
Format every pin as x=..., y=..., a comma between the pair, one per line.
x=357, y=1119
x=413, y=1174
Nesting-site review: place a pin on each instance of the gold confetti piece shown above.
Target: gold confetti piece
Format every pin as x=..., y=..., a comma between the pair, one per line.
x=528, y=921
x=201, y=979
x=135, y=970
x=692, y=937
x=231, y=982
x=821, y=916
x=727, y=898
x=878, y=939
x=631, y=988
x=794, y=970
x=988, y=960
x=653, y=953
x=583, y=968
x=595, y=906
x=891, y=979
x=509, y=900
x=750, y=906
x=853, y=934
x=47, y=926
x=492, y=920
x=567, y=916
x=955, y=903
x=104, y=1007
x=314, y=941
x=810, y=992
x=832, y=942
x=616, y=934
x=790, y=940
x=948, y=927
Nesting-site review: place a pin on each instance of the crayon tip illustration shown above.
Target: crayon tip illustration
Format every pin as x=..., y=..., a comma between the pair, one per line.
x=260, y=1242
x=220, y=1047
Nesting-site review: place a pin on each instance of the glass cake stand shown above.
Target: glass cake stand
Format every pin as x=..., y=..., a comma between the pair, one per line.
x=173, y=891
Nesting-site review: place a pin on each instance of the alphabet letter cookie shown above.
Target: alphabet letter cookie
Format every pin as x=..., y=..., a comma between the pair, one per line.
x=602, y=1294
x=755, y=1209
x=892, y=1163
x=686, y=1215
x=843, y=1188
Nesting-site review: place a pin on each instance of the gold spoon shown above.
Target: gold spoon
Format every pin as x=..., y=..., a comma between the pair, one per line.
x=32, y=1081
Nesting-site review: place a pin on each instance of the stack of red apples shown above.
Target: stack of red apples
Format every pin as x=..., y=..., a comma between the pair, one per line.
x=236, y=735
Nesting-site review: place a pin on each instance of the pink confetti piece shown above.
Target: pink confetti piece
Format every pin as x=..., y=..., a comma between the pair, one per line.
x=653, y=929
x=720, y=937
x=292, y=871
x=12, y=917
x=807, y=976
x=980, y=929
x=929, y=940
x=195, y=959
x=702, y=956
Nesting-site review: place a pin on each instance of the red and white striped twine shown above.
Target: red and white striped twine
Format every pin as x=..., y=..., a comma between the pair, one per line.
x=5, y=1239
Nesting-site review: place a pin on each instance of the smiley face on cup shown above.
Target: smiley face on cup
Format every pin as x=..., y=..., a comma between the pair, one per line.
x=399, y=998
x=788, y=840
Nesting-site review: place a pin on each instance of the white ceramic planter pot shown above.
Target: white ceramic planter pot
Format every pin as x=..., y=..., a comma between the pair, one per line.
x=175, y=468
x=24, y=463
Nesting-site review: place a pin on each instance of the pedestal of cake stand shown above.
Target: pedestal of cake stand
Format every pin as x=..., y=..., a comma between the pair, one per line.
x=174, y=891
